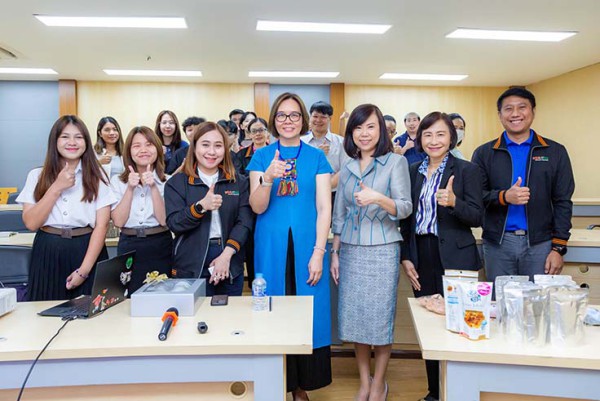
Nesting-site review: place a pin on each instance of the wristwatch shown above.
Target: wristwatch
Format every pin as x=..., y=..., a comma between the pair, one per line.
x=199, y=208
x=560, y=249
x=264, y=183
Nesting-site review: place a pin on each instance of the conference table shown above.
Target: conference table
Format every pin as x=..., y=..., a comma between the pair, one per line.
x=496, y=367
x=114, y=354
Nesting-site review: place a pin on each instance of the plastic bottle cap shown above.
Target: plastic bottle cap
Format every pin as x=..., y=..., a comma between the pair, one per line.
x=258, y=275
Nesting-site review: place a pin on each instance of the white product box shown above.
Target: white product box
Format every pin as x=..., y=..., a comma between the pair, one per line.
x=153, y=299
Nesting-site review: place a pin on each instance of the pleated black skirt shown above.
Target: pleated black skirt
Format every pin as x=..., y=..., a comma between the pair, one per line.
x=152, y=253
x=308, y=372
x=53, y=259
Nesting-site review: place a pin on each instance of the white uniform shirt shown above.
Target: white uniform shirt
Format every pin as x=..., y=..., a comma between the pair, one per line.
x=141, y=213
x=215, y=221
x=69, y=211
x=115, y=167
x=337, y=156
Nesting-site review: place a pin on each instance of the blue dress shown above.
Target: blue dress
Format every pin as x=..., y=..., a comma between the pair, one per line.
x=298, y=213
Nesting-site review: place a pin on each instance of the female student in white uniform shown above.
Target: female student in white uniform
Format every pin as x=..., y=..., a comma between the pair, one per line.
x=67, y=201
x=109, y=146
x=140, y=211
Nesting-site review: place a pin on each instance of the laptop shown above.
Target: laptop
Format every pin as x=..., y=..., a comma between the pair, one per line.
x=111, y=284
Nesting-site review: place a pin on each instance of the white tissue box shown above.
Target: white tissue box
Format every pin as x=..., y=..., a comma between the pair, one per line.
x=155, y=298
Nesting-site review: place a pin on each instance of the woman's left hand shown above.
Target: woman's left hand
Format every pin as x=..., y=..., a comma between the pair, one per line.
x=75, y=279
x=315, y=268
x=148, y=176
x=445, y=197
x=366, y=196
x=221, y=271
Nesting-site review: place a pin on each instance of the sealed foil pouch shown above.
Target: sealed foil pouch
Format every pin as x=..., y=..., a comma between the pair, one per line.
x=567, y=311
x=513, y=325
x=499, y=284
x=476, y=301
x=536, y=318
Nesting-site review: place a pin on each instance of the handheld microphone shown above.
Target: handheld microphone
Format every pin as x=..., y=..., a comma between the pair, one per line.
x=169, y=318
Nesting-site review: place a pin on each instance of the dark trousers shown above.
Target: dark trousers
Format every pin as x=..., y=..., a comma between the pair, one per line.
x=430, y=271
x=229, y=286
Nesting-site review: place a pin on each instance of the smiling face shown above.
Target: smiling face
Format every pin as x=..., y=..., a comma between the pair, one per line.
x=319, y=122
x=436, y=140
x=258, y=134
x=189, y=131
x=366, y=135
x=289, y=130
x=143, y=152
x=167, y=125
x=412, y=124
x=109, y=133
x=516, y=115
x=71, y=143
x=210, y=151
x=247, y=120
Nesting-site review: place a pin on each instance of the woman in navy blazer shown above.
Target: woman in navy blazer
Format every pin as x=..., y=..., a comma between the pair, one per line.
x=446, y=194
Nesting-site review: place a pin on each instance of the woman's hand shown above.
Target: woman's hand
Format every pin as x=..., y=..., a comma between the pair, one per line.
x=315, y=267
x=366, y=196
x=134, y=178
x=148, y=176
x=445, y=197
x=105, y=159
x=335, y=268
x=411, y=273
x=211, y=201
x=221, y=268
x=275, y=170
x=75, y=279
x=65, y=179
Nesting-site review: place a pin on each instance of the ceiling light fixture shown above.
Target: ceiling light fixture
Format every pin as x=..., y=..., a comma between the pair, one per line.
x=423, y=77
x=154, y=73
x=292, y=74
x=113, y=22
x=534, y=36
x=37, y=71
x=287, y=26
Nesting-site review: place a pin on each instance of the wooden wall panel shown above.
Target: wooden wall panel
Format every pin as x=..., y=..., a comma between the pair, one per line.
x=262, y=103
x=67, y=97
x=138, y=103
x=337, y=98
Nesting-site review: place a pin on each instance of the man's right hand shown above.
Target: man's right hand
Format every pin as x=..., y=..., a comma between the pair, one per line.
x=517, y=195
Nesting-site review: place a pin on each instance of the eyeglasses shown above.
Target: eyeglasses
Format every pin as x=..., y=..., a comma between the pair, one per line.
x=293, y=116
x=259, y=130
x=167, y=123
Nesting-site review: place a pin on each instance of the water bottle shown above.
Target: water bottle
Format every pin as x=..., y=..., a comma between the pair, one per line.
x=260, y=300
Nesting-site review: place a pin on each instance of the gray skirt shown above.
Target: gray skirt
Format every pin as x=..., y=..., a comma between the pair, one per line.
x=368, y=288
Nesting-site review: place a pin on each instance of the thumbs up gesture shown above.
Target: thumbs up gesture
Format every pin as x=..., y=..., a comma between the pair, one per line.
x=445, y=197
x=65, y=179
x=517, y=195
x=276, y=169
x=148, y=176
x=366, y=196
x=211, y=201
x=134, y=178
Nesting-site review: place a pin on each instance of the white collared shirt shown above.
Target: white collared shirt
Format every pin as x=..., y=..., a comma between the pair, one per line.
x=337, y=156
x=141, y=213
x=215, y=220
x=69, y=211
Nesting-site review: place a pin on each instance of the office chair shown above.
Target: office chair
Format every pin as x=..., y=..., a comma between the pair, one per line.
x=12, y=198
x=14, y=268
x=12, y=220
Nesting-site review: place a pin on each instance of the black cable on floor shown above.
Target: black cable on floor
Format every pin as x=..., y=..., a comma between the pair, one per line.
x=67, y=320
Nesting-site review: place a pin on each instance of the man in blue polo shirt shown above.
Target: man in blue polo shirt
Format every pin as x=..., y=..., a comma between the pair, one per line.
x=527, y=188
x=404, y=144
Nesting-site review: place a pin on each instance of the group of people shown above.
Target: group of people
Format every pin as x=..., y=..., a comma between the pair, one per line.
x=260, y=192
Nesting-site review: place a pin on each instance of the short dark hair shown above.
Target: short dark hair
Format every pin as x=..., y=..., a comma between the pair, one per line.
x=431, y=119
x=257, y=120
x=322, y=107
x=519, y=91
x=358, y=116
x=456, y=116
x=229, y=126
x=235, y=111
x=387, y=117
x=192, y=121
x=275, y=108
x=412, y=113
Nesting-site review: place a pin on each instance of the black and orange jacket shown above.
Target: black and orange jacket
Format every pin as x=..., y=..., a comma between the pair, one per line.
x=192, y=229
x=550, y=181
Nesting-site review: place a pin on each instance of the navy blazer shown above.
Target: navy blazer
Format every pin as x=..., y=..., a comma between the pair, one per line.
x=458, y=249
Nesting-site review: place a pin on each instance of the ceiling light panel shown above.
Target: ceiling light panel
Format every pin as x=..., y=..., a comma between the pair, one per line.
x=423, y=77
x=292, y=74
x=287, y=26
x=113, y=22
x=37, y=71
x=153, y=73
x=534, y=36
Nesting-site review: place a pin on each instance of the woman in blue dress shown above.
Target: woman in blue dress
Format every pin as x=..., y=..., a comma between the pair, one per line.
x=291, y=194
